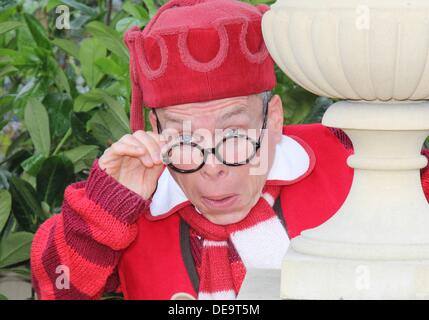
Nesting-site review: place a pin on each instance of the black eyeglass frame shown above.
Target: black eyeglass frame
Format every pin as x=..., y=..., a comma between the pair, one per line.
x=206, y=151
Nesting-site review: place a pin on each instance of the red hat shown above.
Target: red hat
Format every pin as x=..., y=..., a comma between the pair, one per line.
x=198, y=50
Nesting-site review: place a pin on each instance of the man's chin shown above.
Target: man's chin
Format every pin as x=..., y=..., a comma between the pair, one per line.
x=225, y=218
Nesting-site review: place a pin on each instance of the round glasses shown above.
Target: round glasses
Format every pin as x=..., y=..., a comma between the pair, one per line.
x=234, y=149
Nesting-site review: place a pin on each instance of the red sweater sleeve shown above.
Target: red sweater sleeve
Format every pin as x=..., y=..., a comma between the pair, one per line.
x=74, y=254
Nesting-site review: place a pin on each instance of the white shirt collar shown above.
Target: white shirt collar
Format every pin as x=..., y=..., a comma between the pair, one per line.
x=293, y=161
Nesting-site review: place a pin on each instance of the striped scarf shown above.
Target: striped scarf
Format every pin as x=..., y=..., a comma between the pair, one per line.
x=259, y=239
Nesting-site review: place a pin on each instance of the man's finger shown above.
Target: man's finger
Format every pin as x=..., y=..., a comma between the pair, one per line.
x=151, y=143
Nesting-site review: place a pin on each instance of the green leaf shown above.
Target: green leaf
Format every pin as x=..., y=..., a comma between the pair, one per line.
x=24, y=58
x=54, y=176
x=59, y=106
x=34, y=90
x=24, y=36
x=25, y=205
x=82, y=157
x=5, y=207
x=79, y=22
x=128, y=22
x=15, y=248
x=119, y=89
x=52, y=4
x=118, y=113
x=45, y=207
x=37, y=31
x=16, y=145
x=108, y=66
x=33, y=164
x=111, y=39
x=318, y=110
x=78, y=122
x=110, y=121
x=99, y=29
x=30, y=179
x=4, y=61
x=91, y=49
x=3, y=123
x=9, y=25
x=4, y=176
x=137, y=11
x=106, y=125
x=103, y=135
x=3, y=297
x=58, y=75
x=95, y=97
x=7, y=9
x=69, y=46
x=37, y=121
x=6, y=70
x=151, y=6
x=6, y=104
x=81, y=7
x=88, y=101
x=112, y=118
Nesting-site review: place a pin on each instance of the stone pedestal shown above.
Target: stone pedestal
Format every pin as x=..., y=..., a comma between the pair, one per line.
x=312, y=277
x=372, y=54
x=260, y=284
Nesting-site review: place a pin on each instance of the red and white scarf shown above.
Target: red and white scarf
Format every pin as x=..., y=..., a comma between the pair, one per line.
x=259, y=239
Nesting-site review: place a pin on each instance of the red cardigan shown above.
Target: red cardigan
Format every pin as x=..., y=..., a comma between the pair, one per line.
x=103, y=241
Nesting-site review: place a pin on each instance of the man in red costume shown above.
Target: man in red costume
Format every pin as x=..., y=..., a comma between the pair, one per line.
x=152, y=225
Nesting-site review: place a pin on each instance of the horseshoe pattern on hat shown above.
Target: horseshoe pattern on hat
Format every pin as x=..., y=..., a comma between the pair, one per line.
x=193, y=64
x=257, y=57
x=141, y=58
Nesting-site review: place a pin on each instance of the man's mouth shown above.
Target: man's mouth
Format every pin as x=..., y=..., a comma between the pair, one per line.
x=220, y=202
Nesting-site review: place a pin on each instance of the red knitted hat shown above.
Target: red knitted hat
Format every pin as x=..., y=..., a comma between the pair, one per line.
x=198, y=50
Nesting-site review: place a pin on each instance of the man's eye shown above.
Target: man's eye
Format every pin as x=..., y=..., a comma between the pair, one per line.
x=189, y=137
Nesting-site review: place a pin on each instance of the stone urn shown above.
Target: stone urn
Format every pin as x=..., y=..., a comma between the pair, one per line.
x=373, y=56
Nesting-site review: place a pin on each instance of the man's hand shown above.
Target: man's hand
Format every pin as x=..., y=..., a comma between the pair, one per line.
x=135, y=161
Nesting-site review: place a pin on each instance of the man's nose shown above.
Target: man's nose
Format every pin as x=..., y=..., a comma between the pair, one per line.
x=213, y=168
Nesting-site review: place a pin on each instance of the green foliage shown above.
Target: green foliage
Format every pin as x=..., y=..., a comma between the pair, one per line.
x=37, y=121
x=55, y=174
x=14, y=248
x=27, y=209
x=5, y=207
x=64, y=99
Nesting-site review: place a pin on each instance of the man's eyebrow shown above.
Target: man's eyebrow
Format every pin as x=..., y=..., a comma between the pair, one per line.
x=239, y=110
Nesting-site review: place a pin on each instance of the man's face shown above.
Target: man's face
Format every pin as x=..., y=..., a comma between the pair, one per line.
x=225, y=194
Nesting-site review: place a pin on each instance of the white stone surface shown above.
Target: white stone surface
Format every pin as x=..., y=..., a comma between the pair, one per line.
x=311, y=277
x=352, y=49
x=260, y=284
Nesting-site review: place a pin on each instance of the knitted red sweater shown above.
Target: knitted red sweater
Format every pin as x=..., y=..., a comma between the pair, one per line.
x=97, y=222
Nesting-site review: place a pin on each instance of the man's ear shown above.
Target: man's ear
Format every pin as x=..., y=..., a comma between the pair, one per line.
x=152, y=120
x=275, y=116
